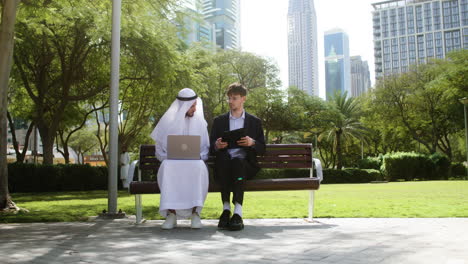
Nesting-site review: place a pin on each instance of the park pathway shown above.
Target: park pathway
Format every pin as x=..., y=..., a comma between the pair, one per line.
x=326, y=240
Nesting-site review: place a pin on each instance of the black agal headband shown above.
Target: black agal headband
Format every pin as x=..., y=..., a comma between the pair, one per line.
x=187, y=98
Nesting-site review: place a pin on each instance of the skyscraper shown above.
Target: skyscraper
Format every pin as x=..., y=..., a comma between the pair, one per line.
x=410, y=32
x=302, y=46
x=360, y=76
x=194, y=27
x=225, y=15
x=337, y=64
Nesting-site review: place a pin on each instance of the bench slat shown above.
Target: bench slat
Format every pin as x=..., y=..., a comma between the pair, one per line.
x=149, y=187
x=276, y=152
x=276, y=165
x=277, y=146
x=285, y=158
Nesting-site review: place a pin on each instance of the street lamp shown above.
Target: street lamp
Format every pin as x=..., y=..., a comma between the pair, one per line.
x=464, y=101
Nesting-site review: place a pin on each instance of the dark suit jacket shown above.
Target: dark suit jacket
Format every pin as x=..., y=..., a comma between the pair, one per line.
x=253, y=128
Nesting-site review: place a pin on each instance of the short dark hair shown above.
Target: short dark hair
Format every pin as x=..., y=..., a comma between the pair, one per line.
x=236, y=88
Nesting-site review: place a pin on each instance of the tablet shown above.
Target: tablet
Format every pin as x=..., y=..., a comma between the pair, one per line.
x=231, y=137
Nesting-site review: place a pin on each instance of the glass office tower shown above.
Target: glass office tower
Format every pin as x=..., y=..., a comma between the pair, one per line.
x=302, y=46
x=225, y=15
x=337, y=62
x=360, y=76
x=410, y=32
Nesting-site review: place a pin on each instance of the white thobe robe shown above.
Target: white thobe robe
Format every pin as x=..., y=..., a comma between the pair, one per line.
x=183, y=183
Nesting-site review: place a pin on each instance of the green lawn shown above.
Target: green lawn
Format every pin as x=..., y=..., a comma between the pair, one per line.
x=399, y=199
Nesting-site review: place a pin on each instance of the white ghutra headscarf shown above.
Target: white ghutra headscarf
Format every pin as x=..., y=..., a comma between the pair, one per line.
x=174, y=122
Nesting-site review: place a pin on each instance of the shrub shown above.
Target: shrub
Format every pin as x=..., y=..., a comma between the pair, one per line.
x=458, y=170
x=370, y=163
x=350, y=175
x=49, y=178
x=415, y=166
x=441, y=166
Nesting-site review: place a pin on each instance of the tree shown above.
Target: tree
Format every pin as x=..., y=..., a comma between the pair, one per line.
x=423, y=102
x=82, y=142
x=7, y=26
x=384, y=135
x=344, y=125
x=270, y=106
x=61, y=57
x=210, y=74
x=69, y=62
x=73, y=123
x=20, y=155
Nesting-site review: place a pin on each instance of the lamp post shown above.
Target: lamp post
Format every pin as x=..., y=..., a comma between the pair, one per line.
x=464, y=101
x=113, y=114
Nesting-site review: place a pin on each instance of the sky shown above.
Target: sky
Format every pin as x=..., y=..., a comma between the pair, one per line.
x=264, y=30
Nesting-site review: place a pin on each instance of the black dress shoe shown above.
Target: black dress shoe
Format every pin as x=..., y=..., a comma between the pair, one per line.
x=224, y=219
x=236, y=223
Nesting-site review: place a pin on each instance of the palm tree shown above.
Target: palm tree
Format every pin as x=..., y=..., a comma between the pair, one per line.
x=344, y=124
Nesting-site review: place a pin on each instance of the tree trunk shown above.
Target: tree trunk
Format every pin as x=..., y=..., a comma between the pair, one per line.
x=47, y=148
x=7, y=29
x=339, y=163
x=20, y=154
x=65, y=153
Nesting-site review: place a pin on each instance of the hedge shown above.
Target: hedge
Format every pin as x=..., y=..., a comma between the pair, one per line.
x=458, y=171
x=415, y=166
x=350, y=175
x=370, y=163
x=329, y=175
x=52, y=178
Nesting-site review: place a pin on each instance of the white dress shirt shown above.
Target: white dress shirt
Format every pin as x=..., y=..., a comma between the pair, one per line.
x=236, y=123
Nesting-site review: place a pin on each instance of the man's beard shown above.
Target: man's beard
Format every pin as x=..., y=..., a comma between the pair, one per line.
x=189, y=114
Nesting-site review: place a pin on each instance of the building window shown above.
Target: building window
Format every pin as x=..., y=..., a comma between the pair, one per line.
x=439, y=50
x=386, y=46
x=429, y=45
x=395, y=45
x=401, y=21
x=410, y=18
x=384, y=24
x=393, y=23
x=464, y=12
x=465, y=38
x=450, y=13
x=436, y=15
x=427, y=17
x=421, y=47
x=419, y=19
x=452, y=40
x=412, y=47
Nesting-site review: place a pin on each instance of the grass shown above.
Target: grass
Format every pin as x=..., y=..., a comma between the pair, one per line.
x=399, y=199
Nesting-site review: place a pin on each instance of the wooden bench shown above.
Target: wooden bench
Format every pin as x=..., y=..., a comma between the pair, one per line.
x=279, y=156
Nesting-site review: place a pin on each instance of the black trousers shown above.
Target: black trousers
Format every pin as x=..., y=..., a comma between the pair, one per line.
x=231, y=174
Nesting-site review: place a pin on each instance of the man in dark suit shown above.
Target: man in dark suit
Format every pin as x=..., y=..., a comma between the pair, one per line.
x=235, y=163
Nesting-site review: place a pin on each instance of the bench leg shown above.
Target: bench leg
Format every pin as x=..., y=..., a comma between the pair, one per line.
x=311, y=205
x=138, y=208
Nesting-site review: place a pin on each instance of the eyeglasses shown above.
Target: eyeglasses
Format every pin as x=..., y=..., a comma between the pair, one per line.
x=233, y=98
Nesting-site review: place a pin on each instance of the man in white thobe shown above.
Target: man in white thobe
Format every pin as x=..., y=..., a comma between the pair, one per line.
x=183, y=183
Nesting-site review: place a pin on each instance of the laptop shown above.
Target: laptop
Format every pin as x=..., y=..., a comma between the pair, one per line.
x=183, y=147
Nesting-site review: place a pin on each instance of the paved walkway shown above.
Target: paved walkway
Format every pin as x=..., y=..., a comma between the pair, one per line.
x=355, y=240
